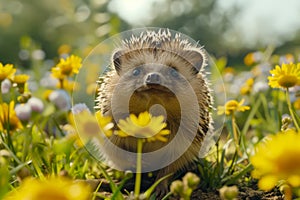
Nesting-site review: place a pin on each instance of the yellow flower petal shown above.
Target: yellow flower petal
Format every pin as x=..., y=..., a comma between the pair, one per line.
x=232, y=106
x=52, y=188
x=105, y=124
x=267, y=182
x=20, y=78
x=6, y=71
x=288, y=75
x=8, y=117
x=144, y=126
x=277, y=158
x=294, y=180
x=67, y=67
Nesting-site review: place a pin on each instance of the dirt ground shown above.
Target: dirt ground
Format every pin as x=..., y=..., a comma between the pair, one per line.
x=245, y=192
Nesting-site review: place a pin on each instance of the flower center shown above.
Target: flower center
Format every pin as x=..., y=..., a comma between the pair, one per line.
x=67, y=69
x=231, y=105
x=48, y=195
x=289, y=162
x=287, y=81
x=91, y=128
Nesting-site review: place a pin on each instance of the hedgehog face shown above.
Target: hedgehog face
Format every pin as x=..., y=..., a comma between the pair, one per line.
x=156, y=68
x=154, y=77
x=187, y=61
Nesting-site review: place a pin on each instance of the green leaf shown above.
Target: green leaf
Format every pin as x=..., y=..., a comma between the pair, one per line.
x=151, y=189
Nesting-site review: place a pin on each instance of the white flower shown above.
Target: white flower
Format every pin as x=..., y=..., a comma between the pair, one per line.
x=38, y=54
x=23, y=112
x=78, y=108
x=260, y=86
x=5, y=86
x=48, y=81
x=36, y=104
x=61, y=99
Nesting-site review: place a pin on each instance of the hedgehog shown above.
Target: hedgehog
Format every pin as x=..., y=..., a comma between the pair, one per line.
x=161, y=73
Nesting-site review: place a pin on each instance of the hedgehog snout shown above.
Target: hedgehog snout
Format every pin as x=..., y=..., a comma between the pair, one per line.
x=153, y=78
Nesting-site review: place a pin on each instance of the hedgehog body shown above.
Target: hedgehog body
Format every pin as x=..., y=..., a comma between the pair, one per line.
x=158, y=68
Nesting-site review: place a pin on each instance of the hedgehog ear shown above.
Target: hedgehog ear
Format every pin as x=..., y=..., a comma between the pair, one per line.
x=197, y=58
x=116, y=58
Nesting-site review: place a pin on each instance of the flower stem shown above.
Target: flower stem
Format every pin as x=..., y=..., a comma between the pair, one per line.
x=291, y=110
x=138, y=176
x=287, y=191
x=61, y=83
x=235, y=135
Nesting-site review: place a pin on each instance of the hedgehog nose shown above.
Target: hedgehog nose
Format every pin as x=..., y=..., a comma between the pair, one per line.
x=153, y=78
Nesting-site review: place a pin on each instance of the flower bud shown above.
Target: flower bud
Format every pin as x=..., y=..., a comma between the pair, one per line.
x=61, y=99
x=36, y=104
x=229, y=193
x=177, y=187
x=23, y=98
x=5, y=86
x=191, y=180
x=287, y=191
x=23, y=112
x=286, y=121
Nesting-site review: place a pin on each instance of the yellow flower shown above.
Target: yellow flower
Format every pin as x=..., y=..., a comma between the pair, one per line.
x=287, y=58
x=8, y=117
x=277, y=159
x=229, y=70
x=247, y=87
x=86, y=125
x=64, y=49
x=72, y=134
x=144, y=126
x=46, y=94
x=249, y=59
x=252, y=58
x=67, y=67
x=91, y=88
x=69, y=85
x=20, y=78
x=231, y=107
x=297, y=104
x=105, y=123
x=50, y=189
x=288, y=75
x=6, y=71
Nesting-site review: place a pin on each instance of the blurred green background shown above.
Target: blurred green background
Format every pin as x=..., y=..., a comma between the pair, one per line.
x=231, y=28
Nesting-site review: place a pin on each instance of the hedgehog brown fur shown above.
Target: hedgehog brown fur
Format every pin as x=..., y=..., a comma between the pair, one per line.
x=160, y=53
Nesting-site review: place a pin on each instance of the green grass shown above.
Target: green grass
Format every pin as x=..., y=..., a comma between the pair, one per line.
x=43, y=147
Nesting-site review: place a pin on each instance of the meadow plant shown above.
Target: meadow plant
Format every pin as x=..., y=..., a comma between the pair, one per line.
x=43, y=139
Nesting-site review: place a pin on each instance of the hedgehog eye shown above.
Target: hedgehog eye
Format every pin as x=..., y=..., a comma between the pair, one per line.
x=174, y=72
x=136, y=71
